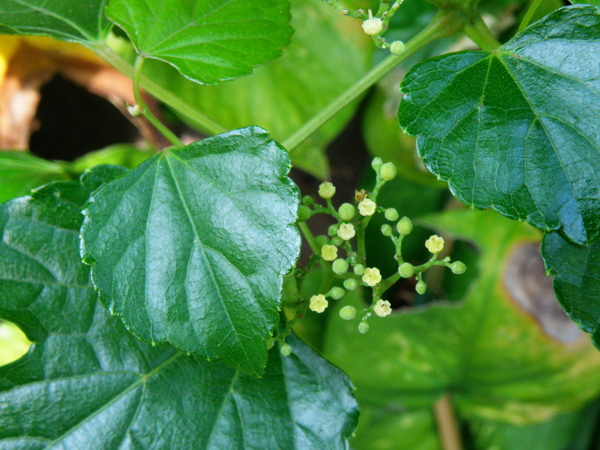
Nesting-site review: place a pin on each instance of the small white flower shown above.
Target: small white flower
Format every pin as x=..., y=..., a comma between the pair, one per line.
x=367, y=207
x=346, y=231
x=318, y=303
x=373, y=25
x=371, y=276
x=382, y=308
x=435, y=244
x=326, y=190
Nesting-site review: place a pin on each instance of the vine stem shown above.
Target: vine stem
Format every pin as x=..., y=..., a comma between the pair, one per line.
x=445, y=23
x=478, y=32
x=530, y=12
x=145, y=111
x=447, y=424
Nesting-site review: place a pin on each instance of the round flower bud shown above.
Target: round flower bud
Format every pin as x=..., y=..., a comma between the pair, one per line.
x=372, y=26
x=391, y=214
x=321, y=240
x=304, y=213
x=350, y=284
x=363, y=327
x=382, y=308
x=458, y=267
x=340, y=266
x=406, y=270
x=336, y=293
x=398, y=47
x=367, y=207
x=371, y=276
x=386, y=230
x=404, y=226
x=388, y=171
x=285, y=350
x=346, y=212
x=348, y=312
x=346, y=231
x=435, y=244
x=359, y=269
x=332, y=230
x=318, y=303
x=329, y=252
x=308, y=200
x=421, y=287
x=376, y=164
x=337, y=241
x=326, y=190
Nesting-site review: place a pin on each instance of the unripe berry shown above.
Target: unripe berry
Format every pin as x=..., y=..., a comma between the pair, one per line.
x=348, y=312
x=388, y=171
x=285, y=349
x=332, y=230
x=363, y=327
x=458, y=267
x=336, y=293
x=359, y=269
x=346, y=212
x=376, y=164
x=404, y=226
x=308, y=200
x=340, y=266
x=398, y=47
x=350, y=284
x=391, y=214
x=386, y=230
x=406, y=270
x=421, y=287
x=304, y=213
x=326, y=190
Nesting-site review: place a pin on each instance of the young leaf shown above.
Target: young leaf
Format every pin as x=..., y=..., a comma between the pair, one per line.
x=577, y=281
x=190, y=246
x=88, y=383
x=206, y=41
x=517, y=129
x=69, y=20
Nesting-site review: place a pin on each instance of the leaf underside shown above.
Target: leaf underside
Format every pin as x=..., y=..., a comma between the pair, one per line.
x=190, y=246
x=517, y=129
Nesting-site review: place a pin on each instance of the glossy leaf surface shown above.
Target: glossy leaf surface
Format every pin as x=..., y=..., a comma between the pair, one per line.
x=190, y=246
x=207, y=41
x=68, y=20
x=88, y=383
x=516, y=129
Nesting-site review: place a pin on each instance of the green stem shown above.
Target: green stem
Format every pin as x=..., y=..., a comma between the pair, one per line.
x=478, y=32
x=205, y=123
x=145, y=111
x=309, y=237
x=528, y=15
x=445, y=23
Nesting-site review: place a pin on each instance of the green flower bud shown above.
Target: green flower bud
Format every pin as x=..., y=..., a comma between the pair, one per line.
x=304, y=213
x=348, y=312
x=421, y=287
x=337, y=241
x=458, y=267
x=359, y=269
x=406, y=270
x=376, y=164
x=386, y=230
x=398, y=47
x=321, y=240
x=336, y=293
x=404, y=226
x=363, y=327
x=346, y=212
x=285, y=349
x=290, y=286
x=333, y=229
x=350, y=284
x=308, y=200
x=391, y=214
x=388, y=171
x=326, y=190
x=340, y=266
x=270, y=343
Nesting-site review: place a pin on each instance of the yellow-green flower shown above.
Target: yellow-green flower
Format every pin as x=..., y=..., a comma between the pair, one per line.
x=371, y=276
x=382, y=308
x=435, y=244
x=367, y=207
x=329, y=252
x=346, y=231
x=318, y=303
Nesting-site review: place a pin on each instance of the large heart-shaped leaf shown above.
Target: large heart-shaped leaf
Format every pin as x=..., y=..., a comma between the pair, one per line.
x=69, y=20
x=517, y=129
x=88, y=383
x=190, y=246
x=207, y=41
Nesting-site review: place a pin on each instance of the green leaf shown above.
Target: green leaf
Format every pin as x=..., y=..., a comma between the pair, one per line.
x=88, y=383
x=282, y=96
x=20, y=172
x=517, y=129
x=206, y=41
x=506, y=352
x=577, y=282
x=591, y=2
x=125, y=155
x=68, y=20
x=190, y=246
